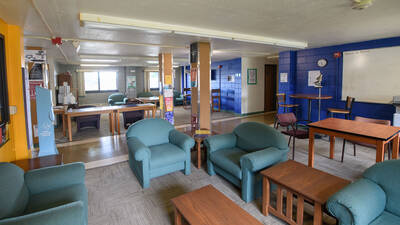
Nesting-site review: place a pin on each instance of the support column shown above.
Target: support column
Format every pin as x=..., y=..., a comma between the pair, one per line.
x=200, y=62
x=166, y=86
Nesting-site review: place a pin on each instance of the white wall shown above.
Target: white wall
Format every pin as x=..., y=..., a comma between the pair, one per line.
x=253, y=95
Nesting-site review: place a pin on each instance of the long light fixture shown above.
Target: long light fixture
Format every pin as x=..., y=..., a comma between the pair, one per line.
x=86, y=18
x=101, y=60
x=96, y=65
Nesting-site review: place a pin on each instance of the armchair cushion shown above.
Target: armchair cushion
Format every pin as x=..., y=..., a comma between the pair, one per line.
x=229, y=160
x=181, y=140
x=383, y=174
x=251, y=136
x=46, y=179
x=165, y=154
x=68, y=214
x=386, y=218
x=58, y=197
x=221, y=141
x=14, y=194
x=359, y=203
x=262, y=159
x=151, y=131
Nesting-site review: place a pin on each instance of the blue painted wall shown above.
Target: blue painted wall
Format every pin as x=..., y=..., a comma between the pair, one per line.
x=298, y=63
x=231, y=92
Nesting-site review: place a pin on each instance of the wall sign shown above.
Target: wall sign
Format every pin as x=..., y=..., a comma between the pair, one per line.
x=252, y=76
x=283, y=77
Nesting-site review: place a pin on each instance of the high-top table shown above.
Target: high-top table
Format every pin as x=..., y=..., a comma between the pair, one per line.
x=311, y=97
x=371, y=133
x=208, y=206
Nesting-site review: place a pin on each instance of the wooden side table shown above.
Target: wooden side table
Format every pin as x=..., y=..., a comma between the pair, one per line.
x=305, y=183
x=39, y=162
x=199, y=140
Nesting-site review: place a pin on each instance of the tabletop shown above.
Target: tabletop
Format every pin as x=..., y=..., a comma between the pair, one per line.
x=370, y=130
x=310, y=96
x=107, y=108
x=154, y=98
x=208, y=206
x=307, y=181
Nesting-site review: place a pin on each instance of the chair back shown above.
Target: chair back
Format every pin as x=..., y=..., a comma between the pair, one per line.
x=386, y=174
x=151, y=131
x=287, y=118
x=253, y=136
x=14, y=194
x=349, y=103
x=281, y=98
x=369, y=120
x=117, y=97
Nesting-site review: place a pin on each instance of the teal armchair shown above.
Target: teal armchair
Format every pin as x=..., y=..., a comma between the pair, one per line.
x=373, y=199
x=117, y=99
x=47, y=196
x=240, y=155
x=156, y=148
x=145, y=94
x=178, y=98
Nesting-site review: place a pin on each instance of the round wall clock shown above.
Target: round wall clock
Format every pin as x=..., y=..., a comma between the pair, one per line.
x=322, y=62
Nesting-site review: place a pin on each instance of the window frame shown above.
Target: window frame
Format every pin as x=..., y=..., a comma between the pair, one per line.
x=98, y=82
x=158, y=81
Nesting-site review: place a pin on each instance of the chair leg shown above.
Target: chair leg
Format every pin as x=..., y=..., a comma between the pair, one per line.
x=354, y=147
x=344, y=146
x=294, y=146
x=288, y=144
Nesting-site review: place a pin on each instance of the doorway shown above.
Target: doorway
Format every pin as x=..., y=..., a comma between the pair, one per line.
x=270, y=87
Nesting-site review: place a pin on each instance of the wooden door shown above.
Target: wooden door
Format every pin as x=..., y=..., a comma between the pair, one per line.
x=270, y=87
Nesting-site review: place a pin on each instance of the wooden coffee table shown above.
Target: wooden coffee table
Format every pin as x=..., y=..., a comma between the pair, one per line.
x=208, y=206
x=305, y=183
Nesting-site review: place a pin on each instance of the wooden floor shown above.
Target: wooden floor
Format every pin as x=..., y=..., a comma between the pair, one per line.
x=104, y=149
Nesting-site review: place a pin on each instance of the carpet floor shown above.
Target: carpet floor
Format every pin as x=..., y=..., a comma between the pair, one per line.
x=116, y=197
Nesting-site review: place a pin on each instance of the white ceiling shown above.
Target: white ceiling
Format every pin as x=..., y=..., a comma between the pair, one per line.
x=317, y=22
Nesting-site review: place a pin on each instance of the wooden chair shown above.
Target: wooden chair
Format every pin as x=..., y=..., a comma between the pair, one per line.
x=366, y=120
x=216, y=100
x=281, y=102
x=292, y=130
x=346, y=111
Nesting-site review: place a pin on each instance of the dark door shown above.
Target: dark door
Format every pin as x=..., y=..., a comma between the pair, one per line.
x=270, y=87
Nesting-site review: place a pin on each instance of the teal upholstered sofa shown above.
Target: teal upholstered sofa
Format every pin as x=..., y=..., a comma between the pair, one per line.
x=156, y=148
x=117, y=99
x=240, y=155
x=374, y=199
x=47, y=196
x=178, y=98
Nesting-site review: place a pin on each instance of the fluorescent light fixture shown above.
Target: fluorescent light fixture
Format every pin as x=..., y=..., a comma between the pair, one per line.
x=187, y=30
x=106, y=26
x=96, y=65
x=101, y=60
x=152, y=62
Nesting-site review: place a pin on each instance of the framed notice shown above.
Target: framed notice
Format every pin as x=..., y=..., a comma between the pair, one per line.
x=251, y=76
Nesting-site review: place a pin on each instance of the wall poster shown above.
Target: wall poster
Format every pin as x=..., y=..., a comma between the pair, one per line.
x=252, y=76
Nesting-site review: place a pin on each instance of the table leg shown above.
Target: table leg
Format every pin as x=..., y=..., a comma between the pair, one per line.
x=309, y=111
x=311, y=148
x=69, y=128
x=265, y=196
x=154, y=112
x=198, y=154
x=300, y=209
x=289, y=204
x=111, y=116
x=395, y=147
x=380, y=151
x=178, y=217
x=332, y=147
x=64, y=125
x=317, y=214
x=118, y=128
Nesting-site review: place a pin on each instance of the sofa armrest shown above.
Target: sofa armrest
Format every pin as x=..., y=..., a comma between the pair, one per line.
x=358, y=204
x=68, y=214
x=138, y=149
x=110, y=101
x=55, y=177
x=125, y=100
x=221, y=141
x=262, y=159
x=181, y=140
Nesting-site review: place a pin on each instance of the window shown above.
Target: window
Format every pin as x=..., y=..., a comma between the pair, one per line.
x=100, y=81
x=154, y=80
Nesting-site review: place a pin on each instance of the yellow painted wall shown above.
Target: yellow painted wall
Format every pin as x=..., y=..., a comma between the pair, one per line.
x=16, y=147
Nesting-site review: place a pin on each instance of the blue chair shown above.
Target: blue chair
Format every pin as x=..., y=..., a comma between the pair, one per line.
x=374, y=199
x=47, y=196
x=117, y=99
x=156, y=149
x=240, y=155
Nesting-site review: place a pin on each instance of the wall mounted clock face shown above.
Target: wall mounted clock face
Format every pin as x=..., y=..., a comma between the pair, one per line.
x=322, y=62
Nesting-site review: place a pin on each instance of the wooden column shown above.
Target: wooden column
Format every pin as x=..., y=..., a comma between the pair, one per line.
x=167, y=86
